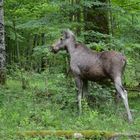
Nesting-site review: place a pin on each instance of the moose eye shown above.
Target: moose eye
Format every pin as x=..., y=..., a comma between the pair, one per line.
x=61, y=39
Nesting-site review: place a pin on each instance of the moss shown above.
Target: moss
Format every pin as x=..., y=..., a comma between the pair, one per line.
x=92, y=133
x=76, y=134
x=46, y=133
x=67, y=134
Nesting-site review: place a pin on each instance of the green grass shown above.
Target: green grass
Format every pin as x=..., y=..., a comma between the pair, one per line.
x=54, y=108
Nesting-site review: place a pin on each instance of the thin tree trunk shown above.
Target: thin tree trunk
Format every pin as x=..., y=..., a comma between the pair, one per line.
x=71, y=13
x=78, y=18
x=43, y=59
x=35, y=41
x=110, y=18
x=2, y=46
x=17, y=43
x=43, y=40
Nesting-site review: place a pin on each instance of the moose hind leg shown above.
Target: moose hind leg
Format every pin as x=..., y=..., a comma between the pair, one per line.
x=123, y=94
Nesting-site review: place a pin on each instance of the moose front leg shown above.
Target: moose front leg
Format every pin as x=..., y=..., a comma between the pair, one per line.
x=79, y=85
x=85, y=89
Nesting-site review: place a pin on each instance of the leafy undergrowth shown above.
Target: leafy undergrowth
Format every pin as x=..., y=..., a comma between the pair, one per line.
x=49, y=104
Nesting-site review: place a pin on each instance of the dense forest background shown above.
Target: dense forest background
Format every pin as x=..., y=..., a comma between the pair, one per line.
x=31, y=27
x=39, y=92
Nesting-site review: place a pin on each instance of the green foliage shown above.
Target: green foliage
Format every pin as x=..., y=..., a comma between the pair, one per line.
x=48, y=104
x=50, y=17
x=39, y=94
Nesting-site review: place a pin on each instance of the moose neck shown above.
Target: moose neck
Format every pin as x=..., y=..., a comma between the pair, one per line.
x=71, y=47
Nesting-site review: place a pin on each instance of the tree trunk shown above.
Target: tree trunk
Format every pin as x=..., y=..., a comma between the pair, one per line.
x=78, y=18
x=96, y=19
x=43, y=59
x=2, y=46
x=110, y=18
x=16, y=41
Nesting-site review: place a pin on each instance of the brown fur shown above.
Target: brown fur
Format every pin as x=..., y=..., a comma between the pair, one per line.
x=88, y=65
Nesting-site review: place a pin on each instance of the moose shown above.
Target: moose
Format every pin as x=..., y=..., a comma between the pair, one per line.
x=87, y=65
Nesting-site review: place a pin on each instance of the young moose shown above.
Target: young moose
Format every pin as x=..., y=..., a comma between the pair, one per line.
x=94, y=66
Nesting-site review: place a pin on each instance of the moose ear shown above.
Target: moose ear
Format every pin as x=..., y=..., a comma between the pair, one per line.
x=65, y=34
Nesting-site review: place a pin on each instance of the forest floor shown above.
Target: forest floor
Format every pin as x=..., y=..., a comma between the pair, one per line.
x=50, y=105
